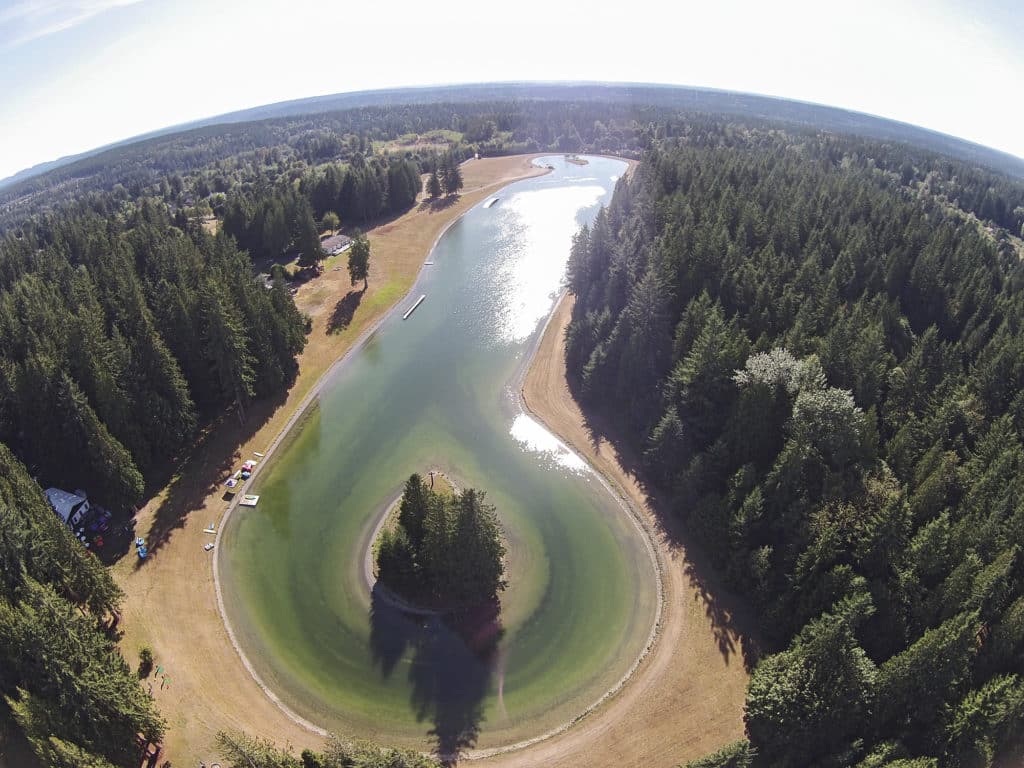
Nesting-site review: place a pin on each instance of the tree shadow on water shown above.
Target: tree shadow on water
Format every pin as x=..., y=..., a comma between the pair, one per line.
x=451, y=669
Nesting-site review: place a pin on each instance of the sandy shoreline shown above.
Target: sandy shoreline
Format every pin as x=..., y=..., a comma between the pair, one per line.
x=686, y=698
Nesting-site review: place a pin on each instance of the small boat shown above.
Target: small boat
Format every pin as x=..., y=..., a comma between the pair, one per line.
x=491, y=202
x=249, y=500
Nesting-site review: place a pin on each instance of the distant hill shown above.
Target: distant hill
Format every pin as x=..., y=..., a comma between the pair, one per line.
x=686, y=98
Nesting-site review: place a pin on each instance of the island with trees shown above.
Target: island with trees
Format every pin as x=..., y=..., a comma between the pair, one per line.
x=445, y=551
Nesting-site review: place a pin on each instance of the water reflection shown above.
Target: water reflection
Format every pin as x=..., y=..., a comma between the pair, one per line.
x=451, y=667
x=536, y=230
x=534, y=436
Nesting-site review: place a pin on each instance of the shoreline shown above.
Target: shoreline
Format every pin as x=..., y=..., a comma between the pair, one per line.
x=638, y=520
x=285, y=431
x=518, y=382
x=683, y=696
x=168, y=603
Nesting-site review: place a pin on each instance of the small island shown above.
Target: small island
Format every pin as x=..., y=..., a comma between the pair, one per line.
x=445, y=551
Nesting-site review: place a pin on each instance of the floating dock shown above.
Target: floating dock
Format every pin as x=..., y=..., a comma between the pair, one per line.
x=414, y=306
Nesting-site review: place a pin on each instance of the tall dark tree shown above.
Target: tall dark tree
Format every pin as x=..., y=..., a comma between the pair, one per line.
x=359, y=260
x=434, y=188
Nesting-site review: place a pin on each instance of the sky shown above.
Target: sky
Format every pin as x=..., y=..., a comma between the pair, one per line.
x=78, y=74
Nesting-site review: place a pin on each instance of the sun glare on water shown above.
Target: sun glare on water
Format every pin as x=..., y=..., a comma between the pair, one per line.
x=534, y=437
x=533, y=258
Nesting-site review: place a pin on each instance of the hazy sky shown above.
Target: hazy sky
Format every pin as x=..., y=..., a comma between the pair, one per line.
x=76, y=74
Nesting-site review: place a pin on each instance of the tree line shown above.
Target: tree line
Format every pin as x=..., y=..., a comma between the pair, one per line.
x=271, y=221
x=446, y=549
x=243, y=751
x=215, y=159
x=823, y=369
x=120, y=335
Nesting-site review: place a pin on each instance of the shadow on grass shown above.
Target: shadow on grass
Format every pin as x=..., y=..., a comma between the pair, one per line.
x=202, y=473
x=733, y=621
x=451, y=668
x=344, y=311
x=435, y=204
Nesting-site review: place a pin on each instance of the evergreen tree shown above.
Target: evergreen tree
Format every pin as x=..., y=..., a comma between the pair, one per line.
x=434, y=188
x=359, y=260
x=445, y=548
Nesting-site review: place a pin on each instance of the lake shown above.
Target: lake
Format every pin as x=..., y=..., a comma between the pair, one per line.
x=441, y=390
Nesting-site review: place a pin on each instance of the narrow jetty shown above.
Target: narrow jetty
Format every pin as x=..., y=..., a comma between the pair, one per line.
x=413, y=307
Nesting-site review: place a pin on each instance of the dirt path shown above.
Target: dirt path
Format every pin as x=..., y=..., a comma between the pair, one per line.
x=686, y=698
x=170, y=600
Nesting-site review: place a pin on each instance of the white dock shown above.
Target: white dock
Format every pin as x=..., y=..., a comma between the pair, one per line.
x=414, y=306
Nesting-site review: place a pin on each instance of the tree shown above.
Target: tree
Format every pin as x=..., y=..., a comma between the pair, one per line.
x=915, y=684
x=446, y=548
x=307, y=239
x=983, y=719
x=413, y=509
x=451, y=174
x=70, y=680
x=359, y=260
x=434, y=188
x=808, y=702
x=476, y=550
x=226, y=347
x=330, y=221
x=739, y=754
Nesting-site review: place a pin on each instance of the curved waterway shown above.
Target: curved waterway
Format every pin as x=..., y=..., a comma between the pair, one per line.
x=440, y=389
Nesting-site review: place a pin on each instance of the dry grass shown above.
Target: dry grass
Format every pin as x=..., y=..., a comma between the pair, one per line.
x=170, y=602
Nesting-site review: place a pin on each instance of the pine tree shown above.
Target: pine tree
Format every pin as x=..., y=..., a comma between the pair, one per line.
x=451, y=174
x=413, y=509
x=434, y=188
x=359, y=260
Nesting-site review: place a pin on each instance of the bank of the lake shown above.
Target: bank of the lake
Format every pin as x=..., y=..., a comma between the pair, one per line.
x=686, y=698
x=170, y=603
x=443, y=383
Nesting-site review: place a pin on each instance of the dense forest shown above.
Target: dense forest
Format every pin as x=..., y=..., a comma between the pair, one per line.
x=119, y=333
x=61, y=674
x=823, y=368
x=196, y=168
x=446, y=549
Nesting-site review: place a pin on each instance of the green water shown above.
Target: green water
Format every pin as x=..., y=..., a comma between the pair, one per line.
x=440, y=389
